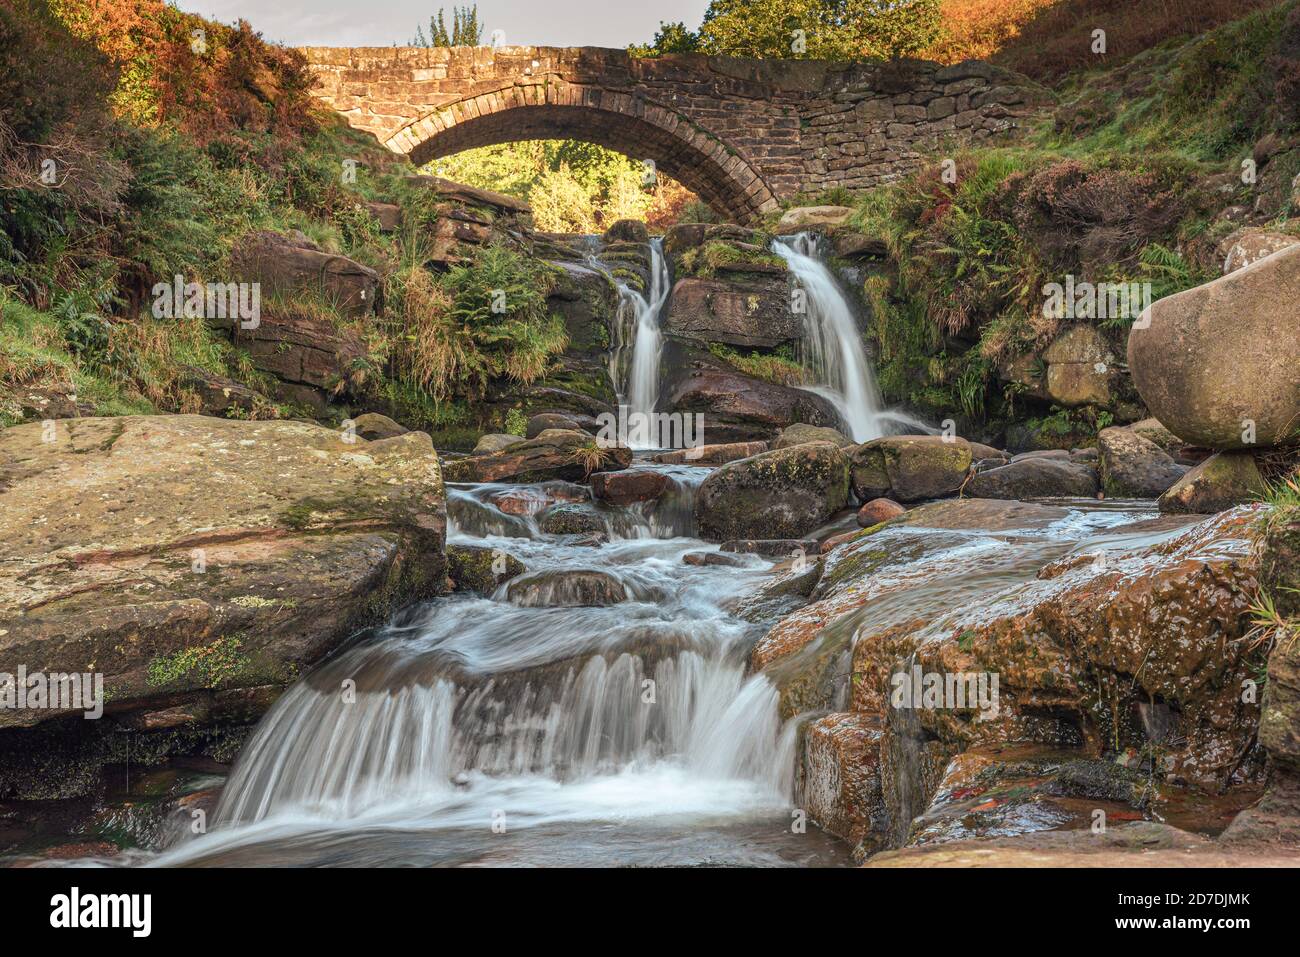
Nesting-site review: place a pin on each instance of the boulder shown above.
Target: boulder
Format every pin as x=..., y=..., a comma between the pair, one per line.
x=785, y=493
x=571, y=519
x=627, y=231
x=1035, y=477
x=495, y=442
x=839, y=778
x=551, y=420
x=1153, y=431
x=738, y=408
x=878, y=510
x=1217, y=364
x=287, y=266
x=304, y=349
x=1080, y=366
x=772, y=547
x=1248, y=245
x=1222, y=481
x=555, y=454
x=479, y=569
x=753, y=315
x=711, y=454
x=217, y=394
x=910, y=468
x=206, y=564
x=700, y=559
x=388, y=216
x=372, y=426
x=799, y=433
x=628, y=487
x=806, y=217
x=1132, y=467
x=530, y=499
x=566, y=588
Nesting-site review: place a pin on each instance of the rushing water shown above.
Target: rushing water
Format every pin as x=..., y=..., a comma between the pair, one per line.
x=832, y=345
x=638, y=340
x=477, y=731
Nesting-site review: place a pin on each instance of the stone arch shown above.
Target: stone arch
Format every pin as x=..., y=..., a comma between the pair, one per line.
x=630, y=124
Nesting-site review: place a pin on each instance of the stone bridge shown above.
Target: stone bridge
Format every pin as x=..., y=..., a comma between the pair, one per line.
x=740, y=133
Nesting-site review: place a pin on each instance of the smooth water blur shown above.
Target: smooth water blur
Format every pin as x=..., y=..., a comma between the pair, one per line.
x=638, y=342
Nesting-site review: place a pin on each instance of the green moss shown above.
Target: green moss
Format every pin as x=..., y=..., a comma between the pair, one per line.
x=209, y=666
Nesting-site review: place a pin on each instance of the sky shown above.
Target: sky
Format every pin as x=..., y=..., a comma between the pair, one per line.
x=611, y=23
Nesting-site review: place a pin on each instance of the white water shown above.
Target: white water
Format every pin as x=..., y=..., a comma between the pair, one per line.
x=628, y=733
x=635, y=373
x=832, y=346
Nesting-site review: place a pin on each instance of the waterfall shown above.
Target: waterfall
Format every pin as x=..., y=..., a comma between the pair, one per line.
x=832, y=345
x=634, y=361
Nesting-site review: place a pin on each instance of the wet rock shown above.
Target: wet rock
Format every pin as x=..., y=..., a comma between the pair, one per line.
x=372, y=426
x=839, y=780
x=567, y=588
x=551, y=420
x=738, y=408
x=711, y=454
x=785, y=493
x=1217, y=363
x=773, y=547
x=1132, y=467
x=571, y=520
x=291, y=265
x=910, y=468
x=554, y=454
x=1222, y=481
x=627, y=231
x=755, y=315
x=1035, y=477
x=878, y=510
x=799, y=434
x=805, y=217
x=495, y=442
x=628, y=487
x=835, y=541
x=531, y=499
x=714, y=558
x=479, y=569
x=207, y=563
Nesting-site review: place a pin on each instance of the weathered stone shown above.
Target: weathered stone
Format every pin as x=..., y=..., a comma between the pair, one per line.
x=805, y=217
x=799, y=434
x=753, y=315
x=495, y=442
x=218, y=394
x=1217, y=364
x=1248, y=245
x=555, y=454
x=372, y=426
x=293, y=265
x=1080, y=367
x=711, y=454
x=571, y=519
x=910, y=468
x=628, y=487
x=628, y=231
x=387, y=215
x=1035, y=477
x=551, y=420
x=1132, y=467
x=839, y=781
x=566, y=588
x=738, y=408
x=878, y=510
x=772, y=547
x=480, y=569
x=1222, y=481
x=785, y=493
x=207, y=561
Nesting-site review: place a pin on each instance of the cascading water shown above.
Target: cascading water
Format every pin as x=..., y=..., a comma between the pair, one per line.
x=832, y=345
x=623, y=734
x=638, y=346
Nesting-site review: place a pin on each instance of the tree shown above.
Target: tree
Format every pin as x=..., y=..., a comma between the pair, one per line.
x=465, y=30
x=670, y=38
x=806, y=29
